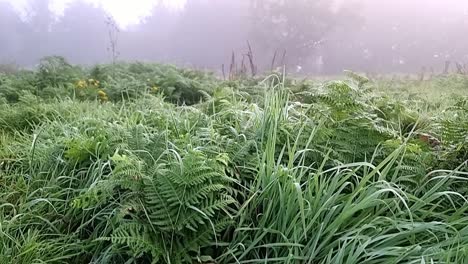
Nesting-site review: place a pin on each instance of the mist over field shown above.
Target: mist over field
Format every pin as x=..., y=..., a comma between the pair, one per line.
x=320, y=36
x=233, y=131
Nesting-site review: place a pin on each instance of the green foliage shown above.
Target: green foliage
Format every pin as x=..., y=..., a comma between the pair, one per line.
x=453, y=127
x=186, y=204
x=55, y=72
x=179, y=167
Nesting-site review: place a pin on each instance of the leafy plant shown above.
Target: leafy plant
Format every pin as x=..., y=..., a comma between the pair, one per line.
x=148, y=163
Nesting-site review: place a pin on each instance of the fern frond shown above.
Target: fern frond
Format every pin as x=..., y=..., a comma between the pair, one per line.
x=138, y=238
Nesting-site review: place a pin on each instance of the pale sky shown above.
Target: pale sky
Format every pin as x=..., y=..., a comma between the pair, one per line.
x=125, y=12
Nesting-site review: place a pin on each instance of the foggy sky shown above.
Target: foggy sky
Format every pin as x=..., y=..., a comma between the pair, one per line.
x=125, y=12
x=364, y=35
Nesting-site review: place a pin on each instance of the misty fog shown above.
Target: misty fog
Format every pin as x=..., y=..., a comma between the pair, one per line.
x=313, y=36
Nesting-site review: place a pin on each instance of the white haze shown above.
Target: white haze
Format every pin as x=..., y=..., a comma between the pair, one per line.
x=364, y=35
x=125, y=12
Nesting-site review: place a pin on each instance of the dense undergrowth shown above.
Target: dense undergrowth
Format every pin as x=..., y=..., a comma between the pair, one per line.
x=142, y=163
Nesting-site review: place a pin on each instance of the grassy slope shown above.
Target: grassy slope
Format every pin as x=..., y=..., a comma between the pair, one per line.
x=106, y=165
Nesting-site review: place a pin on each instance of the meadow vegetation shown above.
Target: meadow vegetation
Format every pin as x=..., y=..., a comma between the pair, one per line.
x=148, y=163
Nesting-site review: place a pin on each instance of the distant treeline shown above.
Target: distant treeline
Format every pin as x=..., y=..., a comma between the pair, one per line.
x=319, y=37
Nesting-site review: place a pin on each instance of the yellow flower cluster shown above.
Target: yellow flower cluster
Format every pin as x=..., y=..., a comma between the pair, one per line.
x=81, y=84
x=93, y=82
x=102, y=96
x=155, y=89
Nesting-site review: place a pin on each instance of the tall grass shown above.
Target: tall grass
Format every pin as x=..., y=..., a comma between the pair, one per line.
x=269, y=171
x=353, y=213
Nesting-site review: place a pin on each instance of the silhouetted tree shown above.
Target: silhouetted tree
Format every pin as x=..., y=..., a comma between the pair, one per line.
x=297, y=26
x=153, y=38
x=208, y=31
x=37, y=37
x=12, y=32
x=81, y=34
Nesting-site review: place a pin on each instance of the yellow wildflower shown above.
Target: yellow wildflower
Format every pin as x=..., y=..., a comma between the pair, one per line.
x=101, y=93
x=155, y=88
x=103, y=96
x=81, y=84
